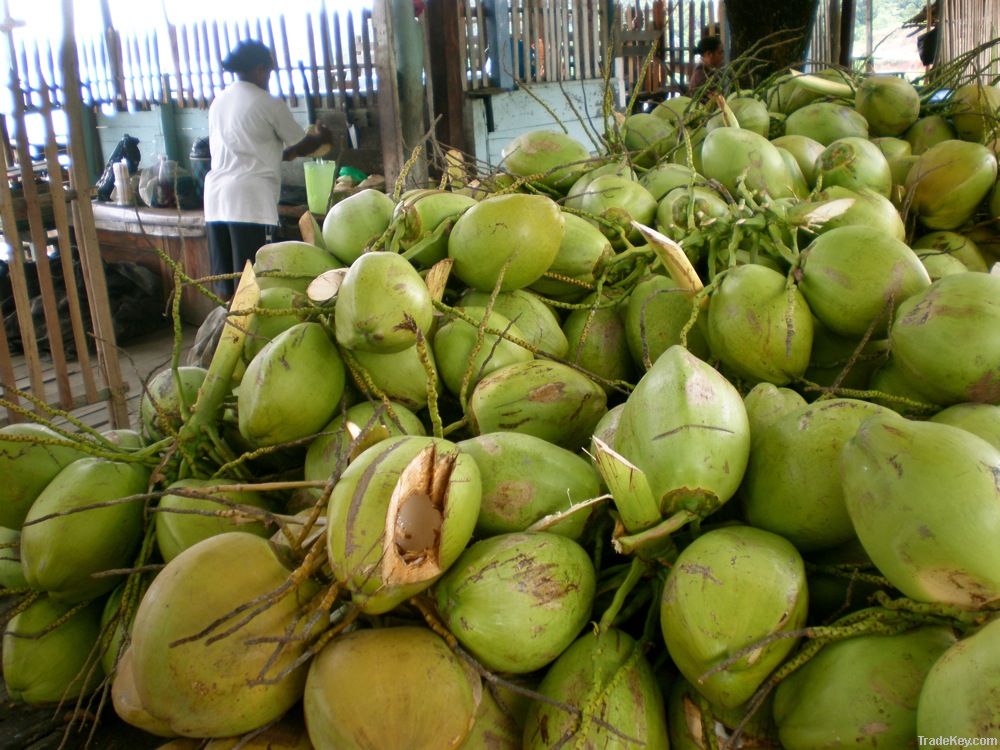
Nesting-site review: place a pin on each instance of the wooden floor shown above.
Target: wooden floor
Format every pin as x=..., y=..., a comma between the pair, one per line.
x=139, y=359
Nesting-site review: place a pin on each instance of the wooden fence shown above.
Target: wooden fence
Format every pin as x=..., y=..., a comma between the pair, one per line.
x=546, y=40
x=331, y=59
x=675, y=26
x=48, y=359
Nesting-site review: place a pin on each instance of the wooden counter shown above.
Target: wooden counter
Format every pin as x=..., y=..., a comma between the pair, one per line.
x=133, y=234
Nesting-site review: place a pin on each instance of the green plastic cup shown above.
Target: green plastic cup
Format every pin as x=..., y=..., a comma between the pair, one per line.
x=319, y=184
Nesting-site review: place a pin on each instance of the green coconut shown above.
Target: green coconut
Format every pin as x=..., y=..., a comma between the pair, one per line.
x=617, y=201
x=291, y=264
x=556, y=158
x=759, y=327
x=207, y=687
x=869, y=209
x=422, y=216
x=181, y=524
x=27, y=466
x=530, y=314
x=401, y=376
x=685, y=209
x=784, y=493
x=663, y=178
x=48, y=661
x=382, y=304
x=655, y=317
x=896, y=473
x=546, y=399
x=514, y=236
x=62, y=550
x=946, y=339
x=264, y=327
x=353, y=224
x=292, y=387
x=688, y=724
x=607, y=427
x=766, y=403
x=855, y=277
x=805, y=150
x=459, y=349
x=825, y=122
x=734, y=155
x=685, y=426
x=597, y=338
x=11, y=573
x=861, y=692
x=524, y=479
x=952, y=244
x=400, y=515
x=974, y=111
x=128, y=705
x=900, y=394
x=499, y=723
x=582, y=185
x=982, y=420
x=516, y=601
x=961, y=695
x=928, y=131
x=163, y=406
x=750, y=113
x=606, y=676
x=427, y=696
x=893, y=148
x=583, y=255
x=348, y=434
x=939, y=266
x=724, y=571
x=674, y=110
x=797, y=180
x=949, y=181
x=647, y=137
x=890, y=104
x=855, y=163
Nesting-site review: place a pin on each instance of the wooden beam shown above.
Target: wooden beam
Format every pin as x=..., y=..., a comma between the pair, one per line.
x=847, y=15
x=447, y=72
x=499, y=43
x=389, y=115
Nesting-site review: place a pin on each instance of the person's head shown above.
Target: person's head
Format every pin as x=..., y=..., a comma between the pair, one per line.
x=250, y=61
x=710, y=49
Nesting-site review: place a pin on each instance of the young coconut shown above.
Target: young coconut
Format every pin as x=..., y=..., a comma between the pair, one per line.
x=516, y=601
x=201, y=668
x=936, y=487
x=427, y=696
x=353, y=224
x=727, y=570
x=392, y=532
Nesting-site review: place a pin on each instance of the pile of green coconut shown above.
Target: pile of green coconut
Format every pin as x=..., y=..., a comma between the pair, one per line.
x=683, y=434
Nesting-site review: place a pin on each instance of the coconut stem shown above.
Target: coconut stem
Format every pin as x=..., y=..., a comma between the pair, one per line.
x=636, y=571
x=630, y=544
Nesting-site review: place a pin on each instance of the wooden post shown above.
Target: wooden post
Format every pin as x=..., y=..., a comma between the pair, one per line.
x=447, y=72
x=499, y=41
x=847, y=15
x=389, y=116
x=86, y=232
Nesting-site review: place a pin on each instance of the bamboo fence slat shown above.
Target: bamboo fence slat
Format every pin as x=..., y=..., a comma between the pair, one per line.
x=338, y=51
x=293, y=98
x=313, y=67
x=324, y=31
x=366, y=51
x=352, y=58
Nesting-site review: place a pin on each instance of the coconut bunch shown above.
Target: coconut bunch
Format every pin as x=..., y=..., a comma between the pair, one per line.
x=657, y=444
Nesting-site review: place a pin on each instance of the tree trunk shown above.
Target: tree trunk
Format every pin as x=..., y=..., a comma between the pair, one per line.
x=774, y=34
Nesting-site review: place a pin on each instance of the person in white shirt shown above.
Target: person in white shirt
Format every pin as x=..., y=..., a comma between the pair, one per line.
x=250, y=133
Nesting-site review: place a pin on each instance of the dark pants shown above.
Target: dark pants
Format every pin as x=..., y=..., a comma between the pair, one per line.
x=230, y=245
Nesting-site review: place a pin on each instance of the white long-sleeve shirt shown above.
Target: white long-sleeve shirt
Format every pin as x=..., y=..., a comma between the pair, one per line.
x=247, y=130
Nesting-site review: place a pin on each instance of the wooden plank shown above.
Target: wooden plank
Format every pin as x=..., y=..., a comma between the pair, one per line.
x=463, y=45
x=175, y=55
x=116, y=68
x=86, y=233
x=313, y=66
x=53, y=81
x=517, y=41
x=8, y=380
x=197, y=72
x=325, y=46
x=218, y=78
x=599, y=30
x=389, y=118
x=39, y=245
x=293, y=97
x=91, y=76
x=366, y=52
x=209, y=63
x=341, y=72
x=22, y=301
x=187, y=81
x=274, y=54
x=482, y=44
x=352, y=55
x=475, y=76
x=60, y=216
x=144, y=79
x=128, y=83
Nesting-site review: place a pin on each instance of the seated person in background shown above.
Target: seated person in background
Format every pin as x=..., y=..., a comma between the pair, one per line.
x=705, y=72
